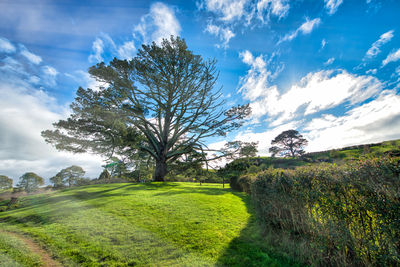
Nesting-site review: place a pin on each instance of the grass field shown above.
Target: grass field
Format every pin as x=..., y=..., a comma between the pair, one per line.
x=158, y=224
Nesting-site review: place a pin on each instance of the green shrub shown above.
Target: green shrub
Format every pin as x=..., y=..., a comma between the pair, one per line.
x=342, y=215
x=244, y=182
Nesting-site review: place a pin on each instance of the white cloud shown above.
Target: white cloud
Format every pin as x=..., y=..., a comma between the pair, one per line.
x=35, y=59
x=329, y=61
x=85, y=80
x=371, y=71
x=375, y=48
x=98, y=49
x=323, y=44
x=26, y=112
x=375, y=121
x=127, y=50
x=278, y=8
x=304, y=29
x=314, y=93
x=264, y=138
x=50, y=75
x=6, y=46
x=158, y=24
x=332, y=5
x=255, y=84
x=228, y=14
x=224, y=34
x=227, y=10
x=392, y=57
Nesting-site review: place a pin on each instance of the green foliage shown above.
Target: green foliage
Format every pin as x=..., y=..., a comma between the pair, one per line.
x=70, y=176
x=347, y=215
x=248, y=150
x=162, y=102
x=105, y=175
x=289, y=143
x=30, y=182
x=5, y=182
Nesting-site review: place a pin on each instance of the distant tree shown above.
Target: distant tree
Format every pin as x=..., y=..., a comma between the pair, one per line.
x=69, y=176
x=105, y=175
x=162, y=102
x=57, y=181
x=5, y=182
x=248, y=150
x=288, y=144
x=30, y=182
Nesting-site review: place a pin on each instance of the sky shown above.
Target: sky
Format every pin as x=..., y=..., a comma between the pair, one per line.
x=327, y=68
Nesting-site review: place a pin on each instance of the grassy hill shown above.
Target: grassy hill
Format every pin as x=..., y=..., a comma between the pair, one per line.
x=338, y=156
x=157, y=224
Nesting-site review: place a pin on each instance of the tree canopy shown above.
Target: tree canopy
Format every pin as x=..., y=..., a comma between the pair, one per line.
x=162, y=102
x=5, y=182
x=68, y=176
x=30, y=182
x=289, y=143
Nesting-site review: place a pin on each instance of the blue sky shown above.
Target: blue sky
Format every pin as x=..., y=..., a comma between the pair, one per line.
x=328, y=68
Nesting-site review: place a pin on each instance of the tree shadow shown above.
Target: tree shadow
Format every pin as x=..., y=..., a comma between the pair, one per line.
x=249, y=249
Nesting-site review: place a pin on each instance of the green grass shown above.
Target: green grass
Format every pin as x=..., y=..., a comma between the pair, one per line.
x=158, y=224
x=14, y=253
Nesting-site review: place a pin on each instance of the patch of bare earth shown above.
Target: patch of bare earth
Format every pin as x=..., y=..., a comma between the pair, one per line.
x=47, y=260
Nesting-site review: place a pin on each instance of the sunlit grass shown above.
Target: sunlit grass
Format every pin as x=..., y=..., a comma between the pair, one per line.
x=13, y=252
x=159, y=224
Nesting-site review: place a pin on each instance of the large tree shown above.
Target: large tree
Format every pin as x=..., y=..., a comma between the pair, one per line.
x=5, y=182
x=289, y=143
x=30, y=182
x=162, y=102
x=70, y=176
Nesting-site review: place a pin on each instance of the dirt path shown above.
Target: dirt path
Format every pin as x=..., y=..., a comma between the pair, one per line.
x=47, y=260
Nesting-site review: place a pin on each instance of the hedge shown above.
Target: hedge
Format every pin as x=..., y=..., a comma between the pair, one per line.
x=348, y=215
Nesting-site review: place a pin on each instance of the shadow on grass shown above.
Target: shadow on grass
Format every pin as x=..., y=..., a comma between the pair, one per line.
x=249, y=249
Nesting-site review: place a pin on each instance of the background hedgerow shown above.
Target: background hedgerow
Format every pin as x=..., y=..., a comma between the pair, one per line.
x=333, y=215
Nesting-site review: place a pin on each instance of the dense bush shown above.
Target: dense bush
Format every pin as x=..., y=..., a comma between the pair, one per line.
x=347, y=215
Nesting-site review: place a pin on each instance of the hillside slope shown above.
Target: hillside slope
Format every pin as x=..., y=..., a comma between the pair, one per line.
x=169, y=224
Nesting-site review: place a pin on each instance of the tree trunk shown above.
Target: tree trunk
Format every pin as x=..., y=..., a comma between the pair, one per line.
x=160, y=171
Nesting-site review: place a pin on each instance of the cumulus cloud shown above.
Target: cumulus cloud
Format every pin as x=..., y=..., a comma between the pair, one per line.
x=159, y=23
x=375, y=48
x=27, y=109
x=255, y=84
x=278, y=8
x=392, y=57
x=375, y=121
x=6, y=46
x=332, y=5
x=224, y=34
x=98, y=49
x=304, y=29
x=26, y=112
x=127, y=50
x=226, y=10
x=314, y=93
x=31, y=57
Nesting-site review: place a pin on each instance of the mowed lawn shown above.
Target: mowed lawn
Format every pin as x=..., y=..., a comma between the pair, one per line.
x=157, y=224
